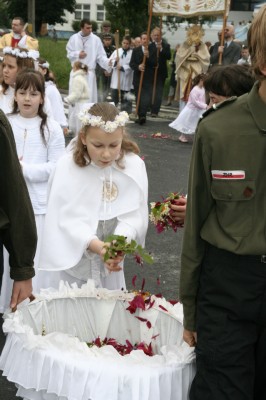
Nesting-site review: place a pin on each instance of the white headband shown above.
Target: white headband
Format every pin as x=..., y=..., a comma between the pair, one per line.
x=109, y=126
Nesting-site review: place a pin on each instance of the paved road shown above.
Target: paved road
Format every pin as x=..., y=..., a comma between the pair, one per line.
x=167, y=162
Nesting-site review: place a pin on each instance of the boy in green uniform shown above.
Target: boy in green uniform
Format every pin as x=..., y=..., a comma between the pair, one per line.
x=17, y=223
x=223, y=264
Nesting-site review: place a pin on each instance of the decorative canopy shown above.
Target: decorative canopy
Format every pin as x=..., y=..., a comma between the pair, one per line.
x=189, y=8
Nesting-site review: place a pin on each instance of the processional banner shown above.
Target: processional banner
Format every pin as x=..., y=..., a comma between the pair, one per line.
x=189, y=8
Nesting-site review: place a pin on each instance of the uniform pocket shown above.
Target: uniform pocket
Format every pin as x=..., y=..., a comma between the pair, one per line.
x=234, y=205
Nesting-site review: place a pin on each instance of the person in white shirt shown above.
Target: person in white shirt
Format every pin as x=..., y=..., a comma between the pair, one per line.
x=40, y=143
x=245, y=57
x=87, y=47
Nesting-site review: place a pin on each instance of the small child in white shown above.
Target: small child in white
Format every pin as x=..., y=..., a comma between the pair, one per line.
x=78, y=97
x=187, y=120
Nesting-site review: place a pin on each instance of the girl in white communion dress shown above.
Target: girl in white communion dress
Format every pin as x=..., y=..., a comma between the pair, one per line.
x=98, y=189
x=40, y=142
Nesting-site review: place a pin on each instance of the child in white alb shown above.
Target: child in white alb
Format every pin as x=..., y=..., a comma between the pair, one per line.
x=122, y=75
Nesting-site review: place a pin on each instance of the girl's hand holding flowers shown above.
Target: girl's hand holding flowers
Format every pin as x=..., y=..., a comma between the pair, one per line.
x=117, y=246
x=111, y=261
x=102, y=248
x=114, y=249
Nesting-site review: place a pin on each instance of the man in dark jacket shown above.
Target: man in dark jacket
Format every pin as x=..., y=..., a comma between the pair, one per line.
x=137, y=64
x=163, y=53
x=231, y=51
x=17, y=222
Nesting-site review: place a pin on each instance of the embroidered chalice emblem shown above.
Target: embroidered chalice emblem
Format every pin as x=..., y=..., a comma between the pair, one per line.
x=110, y=192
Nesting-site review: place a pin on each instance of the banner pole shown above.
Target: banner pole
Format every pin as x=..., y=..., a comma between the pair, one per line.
x=144, y=58
x=222, y=36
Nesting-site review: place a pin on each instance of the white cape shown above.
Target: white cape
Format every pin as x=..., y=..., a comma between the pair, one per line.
x=75, y=207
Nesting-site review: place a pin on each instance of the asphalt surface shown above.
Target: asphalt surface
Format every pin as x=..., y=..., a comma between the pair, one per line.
x=167, y=162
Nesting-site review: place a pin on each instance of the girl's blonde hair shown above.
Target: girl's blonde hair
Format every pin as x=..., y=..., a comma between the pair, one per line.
x=108, y=112
x=257, y=43
x=80, y=65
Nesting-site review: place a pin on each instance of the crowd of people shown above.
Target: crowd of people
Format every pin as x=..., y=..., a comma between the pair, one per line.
x=70, y=201
x=138, y=68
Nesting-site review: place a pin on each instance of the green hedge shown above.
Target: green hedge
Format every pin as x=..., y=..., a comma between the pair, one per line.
x=55, y=54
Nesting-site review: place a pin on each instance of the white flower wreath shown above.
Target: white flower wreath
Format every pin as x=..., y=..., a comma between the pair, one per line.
x=34, y=54
x=109, y=126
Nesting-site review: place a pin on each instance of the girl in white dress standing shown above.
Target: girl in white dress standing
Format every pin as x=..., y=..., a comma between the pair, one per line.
x=40, y=143
x=98, y=189
x=187, y=120
x=78, y=97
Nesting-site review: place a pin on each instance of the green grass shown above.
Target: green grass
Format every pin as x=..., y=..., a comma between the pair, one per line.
x=55, y=54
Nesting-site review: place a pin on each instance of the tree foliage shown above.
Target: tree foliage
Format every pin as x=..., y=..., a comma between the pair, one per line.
x=4, y=19
x=128, y=14
x=46, y=11
x=76, y=25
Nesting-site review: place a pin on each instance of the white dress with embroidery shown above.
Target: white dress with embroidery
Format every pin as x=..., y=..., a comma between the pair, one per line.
x=81, y=207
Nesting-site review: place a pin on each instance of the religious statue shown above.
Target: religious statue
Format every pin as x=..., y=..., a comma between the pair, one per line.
x=192, y=59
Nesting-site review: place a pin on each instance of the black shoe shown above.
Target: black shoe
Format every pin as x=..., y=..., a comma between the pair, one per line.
x=142, y=120
x=153, y=115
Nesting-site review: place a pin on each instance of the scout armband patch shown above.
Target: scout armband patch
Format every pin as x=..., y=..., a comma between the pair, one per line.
x=228, y=175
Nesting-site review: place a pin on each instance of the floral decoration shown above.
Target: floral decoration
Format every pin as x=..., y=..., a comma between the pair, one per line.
x=161, y=213
x=109, y=126
x=160, y=135
x=34, y=54
x=122, y=349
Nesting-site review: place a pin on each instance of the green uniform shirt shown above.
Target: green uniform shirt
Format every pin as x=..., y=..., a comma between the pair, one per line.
x=17, y=222
x=227, y=190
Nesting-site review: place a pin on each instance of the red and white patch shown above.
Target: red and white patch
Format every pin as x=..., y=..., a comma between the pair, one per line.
x=228, y=175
